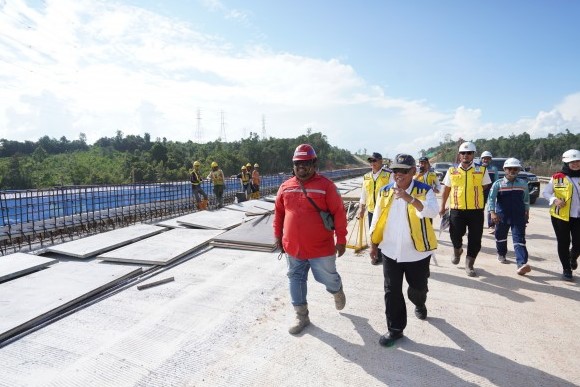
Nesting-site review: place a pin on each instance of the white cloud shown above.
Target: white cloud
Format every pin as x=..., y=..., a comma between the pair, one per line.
x=98, y=67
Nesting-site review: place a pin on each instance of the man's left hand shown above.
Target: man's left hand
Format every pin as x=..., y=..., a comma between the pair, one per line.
x=340, y=249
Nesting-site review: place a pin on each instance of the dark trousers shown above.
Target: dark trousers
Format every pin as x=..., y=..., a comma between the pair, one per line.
x=462, y=220
x=566, y=232
x=416, y=274
x=379, y=254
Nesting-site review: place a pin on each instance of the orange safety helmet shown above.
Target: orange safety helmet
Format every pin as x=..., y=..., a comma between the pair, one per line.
x=304, y=152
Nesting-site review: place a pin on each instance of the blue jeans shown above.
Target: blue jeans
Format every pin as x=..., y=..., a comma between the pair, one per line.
x=323, y=269
x=518, y=237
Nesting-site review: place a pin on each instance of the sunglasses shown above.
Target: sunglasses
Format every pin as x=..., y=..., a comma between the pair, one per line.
x=372, y=160
x=403, y=171
x=465, y=153
x=305, y=163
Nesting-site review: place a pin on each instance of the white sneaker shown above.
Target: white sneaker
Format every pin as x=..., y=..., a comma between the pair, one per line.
x=501, y=259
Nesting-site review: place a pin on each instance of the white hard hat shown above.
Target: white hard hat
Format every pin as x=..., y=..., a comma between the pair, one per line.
x=512, y=163
x=486, y=154
x=571, y=155
x=467, y=147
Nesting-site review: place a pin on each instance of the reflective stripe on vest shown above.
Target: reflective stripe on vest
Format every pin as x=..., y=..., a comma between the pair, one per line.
x=422, y=233
x=372, y=187
x=563, y=190
x=466, y=188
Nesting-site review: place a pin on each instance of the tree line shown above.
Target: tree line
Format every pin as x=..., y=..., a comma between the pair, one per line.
x=543, y=155
x=121, y=159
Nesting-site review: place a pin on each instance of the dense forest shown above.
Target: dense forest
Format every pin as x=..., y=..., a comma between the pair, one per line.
x=543, y=155
x=49, y=162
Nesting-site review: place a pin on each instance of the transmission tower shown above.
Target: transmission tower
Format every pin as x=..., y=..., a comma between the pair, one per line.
x=198, y=134
x=223, y=128
x=263, y=127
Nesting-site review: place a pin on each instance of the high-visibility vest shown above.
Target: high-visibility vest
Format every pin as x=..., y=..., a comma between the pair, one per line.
x=467, y=188
x=195, y=177
x=428, y=178
x=245, y=177
x=217, y=177
x=372, y=186
x=563, y=190
x=422, y=233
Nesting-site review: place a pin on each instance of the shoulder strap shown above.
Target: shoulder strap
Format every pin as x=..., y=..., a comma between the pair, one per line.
x=308, y=197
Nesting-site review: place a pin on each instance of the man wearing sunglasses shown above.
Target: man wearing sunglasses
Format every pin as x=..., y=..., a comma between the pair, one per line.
x=373, y=181
x=402, y=229
x=301, y=233
x=464, y=186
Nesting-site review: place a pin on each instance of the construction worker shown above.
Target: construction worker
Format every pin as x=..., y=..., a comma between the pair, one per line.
x=464, y=185
x=509, y=207
x=425, y=175
x=196, y=188
x=218, y=179
x=249, y=169
x=301, y=233
x=486, y=157
x=563, y=194
x=255, y=185
x=373, y=181
x=244, y=177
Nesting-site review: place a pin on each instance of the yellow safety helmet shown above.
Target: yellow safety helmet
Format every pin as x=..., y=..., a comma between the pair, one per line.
x=196, y=163
x=214, y=164
x=249, y=165
x=256, y=165
x=244, y=167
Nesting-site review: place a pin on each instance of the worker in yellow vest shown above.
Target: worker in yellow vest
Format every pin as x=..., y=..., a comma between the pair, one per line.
x=373, y=181
x=464, y=185
x=244, y=177
x=563, y=194
x=255, y=185
x=425, y=175
x=196, y=188
x=218, y=180
x=405, y=235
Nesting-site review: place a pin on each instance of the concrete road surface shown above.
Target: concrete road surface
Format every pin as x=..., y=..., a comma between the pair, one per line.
x=223, y=322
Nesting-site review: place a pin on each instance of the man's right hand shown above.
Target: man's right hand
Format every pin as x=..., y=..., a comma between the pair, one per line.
x=279, y=244
x=442, y=211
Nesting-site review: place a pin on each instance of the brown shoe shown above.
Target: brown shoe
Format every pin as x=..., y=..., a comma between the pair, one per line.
x=525, y=268
x=339, y=299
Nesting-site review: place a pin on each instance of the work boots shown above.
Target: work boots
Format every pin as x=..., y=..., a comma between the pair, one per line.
x=301, y=321
x=339, y=299
x=202, y=205
x=469, y=261
x=456, y=255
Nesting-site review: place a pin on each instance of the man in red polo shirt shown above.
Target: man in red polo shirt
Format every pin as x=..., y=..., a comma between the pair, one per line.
x=301, y=233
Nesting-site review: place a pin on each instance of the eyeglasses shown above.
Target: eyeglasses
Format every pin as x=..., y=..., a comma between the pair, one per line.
x=304, y=163
x=372, y=160
x=512, y=168
x=402, y=171
x=465, y=153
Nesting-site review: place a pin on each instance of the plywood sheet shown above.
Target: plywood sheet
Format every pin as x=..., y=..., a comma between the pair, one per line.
x=256, y=232
x=30, y=299
x=18, y=264
x=95, y=244
x=162, y=249
x=221, y=219
x=257, y=207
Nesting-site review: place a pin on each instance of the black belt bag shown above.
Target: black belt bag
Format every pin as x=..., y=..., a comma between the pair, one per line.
x=327, y=218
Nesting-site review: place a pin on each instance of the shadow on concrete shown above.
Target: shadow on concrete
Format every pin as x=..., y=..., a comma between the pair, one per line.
x=405, y=363
x=390, y=366
x=509, y=287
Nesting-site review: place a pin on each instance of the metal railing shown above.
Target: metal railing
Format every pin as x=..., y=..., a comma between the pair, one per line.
x=36, y=217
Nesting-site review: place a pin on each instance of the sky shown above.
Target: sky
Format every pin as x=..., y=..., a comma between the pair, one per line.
x=373, y=76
